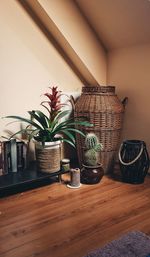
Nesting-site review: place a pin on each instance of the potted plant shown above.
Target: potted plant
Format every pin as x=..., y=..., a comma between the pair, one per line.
x=50, y=130
x=92, y=171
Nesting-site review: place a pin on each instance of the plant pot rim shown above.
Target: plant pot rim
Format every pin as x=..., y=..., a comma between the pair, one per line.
x=57, y=142
x=92, y=167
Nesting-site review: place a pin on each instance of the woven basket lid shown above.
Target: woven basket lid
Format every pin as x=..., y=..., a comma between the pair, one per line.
x=99, y=89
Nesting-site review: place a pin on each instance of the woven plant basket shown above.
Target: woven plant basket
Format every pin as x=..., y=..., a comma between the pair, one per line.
x=48, y=156
x=101, y=106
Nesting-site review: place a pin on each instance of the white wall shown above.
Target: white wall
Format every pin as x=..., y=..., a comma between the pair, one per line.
x=129, y=71
x=28, y=63
x=80, y=36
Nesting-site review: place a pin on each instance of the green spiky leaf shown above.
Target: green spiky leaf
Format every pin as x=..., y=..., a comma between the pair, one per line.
x=69, y=142
x=25, y=120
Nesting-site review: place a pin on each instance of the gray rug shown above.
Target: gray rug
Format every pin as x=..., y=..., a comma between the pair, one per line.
x=133, y=244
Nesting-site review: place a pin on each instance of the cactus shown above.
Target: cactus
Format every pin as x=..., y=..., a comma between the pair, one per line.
x=91, y=141
x=92, y=147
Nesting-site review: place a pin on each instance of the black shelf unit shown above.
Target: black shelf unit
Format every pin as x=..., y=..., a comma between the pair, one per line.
x=15, y=182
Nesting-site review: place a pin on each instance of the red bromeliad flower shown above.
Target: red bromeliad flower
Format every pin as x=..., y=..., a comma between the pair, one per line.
x=54, y=102
x=53, y=127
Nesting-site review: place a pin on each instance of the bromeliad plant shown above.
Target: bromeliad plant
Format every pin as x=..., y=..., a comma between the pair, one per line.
x=54, y=126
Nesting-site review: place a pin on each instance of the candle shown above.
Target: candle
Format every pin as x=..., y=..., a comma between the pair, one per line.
x=65, y=164
x=75, y=178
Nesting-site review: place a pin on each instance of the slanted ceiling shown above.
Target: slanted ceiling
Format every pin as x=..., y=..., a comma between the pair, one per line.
x=118, y=23
x=112, y=24
x=40, y=11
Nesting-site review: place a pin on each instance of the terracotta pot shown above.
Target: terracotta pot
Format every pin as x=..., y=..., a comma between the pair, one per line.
x=91, y=174
x=48, y=156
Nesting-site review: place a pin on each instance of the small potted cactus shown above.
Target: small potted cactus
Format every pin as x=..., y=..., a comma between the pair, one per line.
x=92, y=171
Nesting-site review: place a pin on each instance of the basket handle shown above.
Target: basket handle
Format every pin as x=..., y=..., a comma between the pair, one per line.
x=72, y=101
x=125, y=101
x=133, y=161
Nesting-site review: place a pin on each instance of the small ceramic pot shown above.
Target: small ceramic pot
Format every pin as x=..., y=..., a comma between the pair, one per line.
x=91, y=174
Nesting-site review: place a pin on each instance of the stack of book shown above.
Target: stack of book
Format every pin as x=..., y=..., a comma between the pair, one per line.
x=12, y=156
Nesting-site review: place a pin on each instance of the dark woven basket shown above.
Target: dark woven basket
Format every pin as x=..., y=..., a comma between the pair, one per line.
x=134, y=161
x=101, y=106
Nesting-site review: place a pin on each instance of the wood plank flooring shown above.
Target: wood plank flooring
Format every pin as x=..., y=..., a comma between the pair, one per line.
x=55, y=221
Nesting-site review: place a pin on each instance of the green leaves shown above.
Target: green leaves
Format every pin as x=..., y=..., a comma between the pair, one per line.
x=40, y=117
x=69, y=142
x=57, y=118
x=41, y=128
x=25, y=120
x=56, y=123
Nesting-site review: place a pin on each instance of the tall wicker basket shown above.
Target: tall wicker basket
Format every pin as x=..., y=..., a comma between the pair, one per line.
x=101, y=106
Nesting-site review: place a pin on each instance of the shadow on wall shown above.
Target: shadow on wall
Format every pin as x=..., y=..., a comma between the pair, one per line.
x=52, y=33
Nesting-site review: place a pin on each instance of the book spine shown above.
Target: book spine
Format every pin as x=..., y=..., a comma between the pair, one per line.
x=13, y=155
x=3, y=165
x=1, y=159
x=7, y=157
x=25, y=155
x=20, y=159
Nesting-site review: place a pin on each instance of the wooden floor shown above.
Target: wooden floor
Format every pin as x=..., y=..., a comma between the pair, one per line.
x=55, y=221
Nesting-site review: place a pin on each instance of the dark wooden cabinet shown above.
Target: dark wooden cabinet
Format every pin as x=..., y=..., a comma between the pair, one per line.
x=20, y=181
